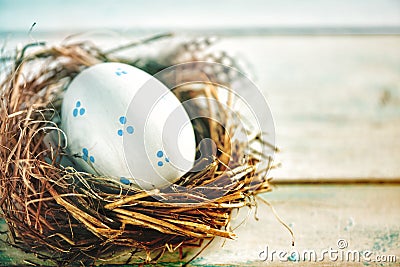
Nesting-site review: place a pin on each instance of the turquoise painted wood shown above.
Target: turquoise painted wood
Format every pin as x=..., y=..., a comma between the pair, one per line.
x=335, y=100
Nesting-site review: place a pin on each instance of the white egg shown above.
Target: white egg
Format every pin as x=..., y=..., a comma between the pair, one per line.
x=123, y=123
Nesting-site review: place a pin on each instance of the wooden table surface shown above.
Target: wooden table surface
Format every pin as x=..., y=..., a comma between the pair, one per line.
x=365, y=216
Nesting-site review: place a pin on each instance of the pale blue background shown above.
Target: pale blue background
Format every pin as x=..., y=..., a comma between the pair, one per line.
x=18, y=15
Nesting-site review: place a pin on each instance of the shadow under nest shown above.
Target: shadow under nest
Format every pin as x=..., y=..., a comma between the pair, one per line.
x=67, y=216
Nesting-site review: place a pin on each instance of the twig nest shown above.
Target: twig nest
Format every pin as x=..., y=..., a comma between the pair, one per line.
x=78, y=216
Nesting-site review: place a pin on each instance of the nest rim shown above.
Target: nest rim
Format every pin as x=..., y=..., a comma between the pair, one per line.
x=67, y=216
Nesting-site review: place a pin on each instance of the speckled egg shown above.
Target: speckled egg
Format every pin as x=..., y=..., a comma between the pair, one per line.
x=121, y=122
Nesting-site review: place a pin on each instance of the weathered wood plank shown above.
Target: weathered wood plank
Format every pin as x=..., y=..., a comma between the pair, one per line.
x=335, y=100
x=366, y=216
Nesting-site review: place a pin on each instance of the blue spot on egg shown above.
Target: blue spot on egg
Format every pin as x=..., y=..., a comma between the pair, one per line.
x=119, y=72
x=160, y=154
x=85, y=155
x=122, y=120
x=129, y=129
x=124, y=181
x=78, y=110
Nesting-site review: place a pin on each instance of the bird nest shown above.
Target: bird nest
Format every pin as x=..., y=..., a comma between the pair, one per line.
x=71, y=217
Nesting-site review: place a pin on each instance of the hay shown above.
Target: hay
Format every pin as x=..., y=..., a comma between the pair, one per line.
x=71, y=217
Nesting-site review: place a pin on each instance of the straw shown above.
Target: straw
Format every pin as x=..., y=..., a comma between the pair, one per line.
x=71, y=217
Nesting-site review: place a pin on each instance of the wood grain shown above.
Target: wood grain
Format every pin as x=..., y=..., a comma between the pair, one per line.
x=366, y=216
x=335, y=102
